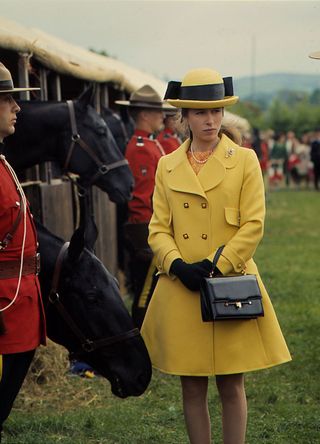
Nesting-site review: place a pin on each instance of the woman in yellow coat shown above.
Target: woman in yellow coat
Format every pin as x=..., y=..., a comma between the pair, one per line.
x=209, y=192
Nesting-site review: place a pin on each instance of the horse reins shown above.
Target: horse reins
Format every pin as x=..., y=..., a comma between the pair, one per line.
x=103, y=168
x=87, y=345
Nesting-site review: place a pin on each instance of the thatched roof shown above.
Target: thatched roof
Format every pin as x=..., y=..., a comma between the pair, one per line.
x=75, y=61
x=66, y=58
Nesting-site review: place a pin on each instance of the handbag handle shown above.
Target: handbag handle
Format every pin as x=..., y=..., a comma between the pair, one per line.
x=215, y=259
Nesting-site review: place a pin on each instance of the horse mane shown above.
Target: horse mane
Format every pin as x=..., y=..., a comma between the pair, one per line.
x=51, y=235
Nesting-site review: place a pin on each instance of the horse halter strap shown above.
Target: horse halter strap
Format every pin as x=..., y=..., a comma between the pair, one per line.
x=87, y=345
x=76, y=139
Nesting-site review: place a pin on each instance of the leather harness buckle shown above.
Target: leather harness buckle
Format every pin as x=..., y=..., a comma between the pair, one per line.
x=38, y=264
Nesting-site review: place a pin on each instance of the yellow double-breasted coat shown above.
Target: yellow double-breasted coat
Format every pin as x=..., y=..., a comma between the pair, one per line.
x=192, y=216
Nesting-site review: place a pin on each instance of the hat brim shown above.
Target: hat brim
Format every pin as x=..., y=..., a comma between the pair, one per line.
x=315, y=55
x=16, y=90
x=140, y=105
x=198, y=104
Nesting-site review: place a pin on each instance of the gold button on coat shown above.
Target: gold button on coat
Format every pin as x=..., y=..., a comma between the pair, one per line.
x=204, y=236
x=186, y=205
x=173, y=319
x=185, y=236
x=204, y=205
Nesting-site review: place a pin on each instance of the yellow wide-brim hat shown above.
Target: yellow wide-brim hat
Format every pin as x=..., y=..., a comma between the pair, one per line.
x=201, y=88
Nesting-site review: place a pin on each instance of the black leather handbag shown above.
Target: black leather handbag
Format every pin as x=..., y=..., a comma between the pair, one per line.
x=230, y=297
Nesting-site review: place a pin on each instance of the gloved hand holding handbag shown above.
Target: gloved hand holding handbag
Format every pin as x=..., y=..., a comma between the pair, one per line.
x=191, y=275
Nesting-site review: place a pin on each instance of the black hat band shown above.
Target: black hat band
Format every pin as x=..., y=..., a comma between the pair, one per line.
x=200, y=92
x=6, y=84
x=139, y=103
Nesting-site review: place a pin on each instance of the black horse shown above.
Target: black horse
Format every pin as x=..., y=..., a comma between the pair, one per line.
x=85, y=312
x=74, y=135
x=121, y=125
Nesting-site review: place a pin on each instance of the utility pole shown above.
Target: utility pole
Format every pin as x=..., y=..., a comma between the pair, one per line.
x=253, y=65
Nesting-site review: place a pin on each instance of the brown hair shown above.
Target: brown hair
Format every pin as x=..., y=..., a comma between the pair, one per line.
x=230, y=131
x=134, y=113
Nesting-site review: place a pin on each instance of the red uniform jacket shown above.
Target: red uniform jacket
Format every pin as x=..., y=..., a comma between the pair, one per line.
x=143, y=155
x=24, y=320
x=169, y=140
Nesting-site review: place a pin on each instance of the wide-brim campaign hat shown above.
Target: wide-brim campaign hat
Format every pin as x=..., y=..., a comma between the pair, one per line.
x=169, y=110
x=201, y=88
x=6, y=82
x=315, y=55
x=144, y=97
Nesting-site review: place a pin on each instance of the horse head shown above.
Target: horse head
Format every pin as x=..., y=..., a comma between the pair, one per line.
x=97, y=328
x=94, y=154
x=44, y=132
x=121, y=125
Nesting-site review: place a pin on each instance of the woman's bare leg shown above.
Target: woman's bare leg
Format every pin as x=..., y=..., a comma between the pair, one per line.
x=234, y=408
x=195, y=408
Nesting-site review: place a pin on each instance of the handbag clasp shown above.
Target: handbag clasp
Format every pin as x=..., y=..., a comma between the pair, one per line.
x=237, y=304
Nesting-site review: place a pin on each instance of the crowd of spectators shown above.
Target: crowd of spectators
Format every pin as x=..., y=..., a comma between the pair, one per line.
x=287, y=160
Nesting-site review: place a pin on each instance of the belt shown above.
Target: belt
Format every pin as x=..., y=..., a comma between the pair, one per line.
x=11, y=269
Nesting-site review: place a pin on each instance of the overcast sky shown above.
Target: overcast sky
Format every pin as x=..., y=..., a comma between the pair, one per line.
x=166, y=38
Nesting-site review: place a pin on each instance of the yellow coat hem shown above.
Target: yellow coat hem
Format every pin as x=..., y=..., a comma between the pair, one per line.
x=217, y=374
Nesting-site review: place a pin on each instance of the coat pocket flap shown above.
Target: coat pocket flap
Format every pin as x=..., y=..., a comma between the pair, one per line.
x=232, y=216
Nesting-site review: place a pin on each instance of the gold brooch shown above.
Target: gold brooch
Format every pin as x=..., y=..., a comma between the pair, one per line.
x=229, y=152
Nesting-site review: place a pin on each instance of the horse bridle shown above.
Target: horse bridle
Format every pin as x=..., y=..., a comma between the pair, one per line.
x=87, y=345
x=103, y=168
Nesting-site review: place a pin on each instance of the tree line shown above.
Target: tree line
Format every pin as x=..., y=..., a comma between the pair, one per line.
x=286, y=111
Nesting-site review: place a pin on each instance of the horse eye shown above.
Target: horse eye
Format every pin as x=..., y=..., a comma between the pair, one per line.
x=93, y=297
x=101, y=130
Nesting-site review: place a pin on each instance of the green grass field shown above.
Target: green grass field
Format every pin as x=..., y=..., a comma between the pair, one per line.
x=283, y=401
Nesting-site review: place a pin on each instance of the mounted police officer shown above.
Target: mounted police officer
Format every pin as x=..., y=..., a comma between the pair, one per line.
x=143, y=153
x=22, y=325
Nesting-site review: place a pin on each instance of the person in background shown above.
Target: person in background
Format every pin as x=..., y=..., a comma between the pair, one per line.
x=143, y=153
x=168, y=137
x=291, y=143
x=278, y=160
x=22, y=322
x=209, y=193
x=299, y=161
x=264, y=159
x=315, y=158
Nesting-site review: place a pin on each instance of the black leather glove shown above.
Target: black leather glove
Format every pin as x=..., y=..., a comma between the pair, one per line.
x=191, y=275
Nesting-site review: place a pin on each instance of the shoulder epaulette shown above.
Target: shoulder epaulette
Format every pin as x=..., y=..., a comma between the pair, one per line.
x=140, y=141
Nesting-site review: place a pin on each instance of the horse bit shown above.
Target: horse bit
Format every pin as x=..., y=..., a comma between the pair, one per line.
x=76, y=139
x=87, y=345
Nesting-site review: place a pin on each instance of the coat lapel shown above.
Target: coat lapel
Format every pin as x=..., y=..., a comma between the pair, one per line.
x=211, y=174
x=224, y=157
x=181, y=176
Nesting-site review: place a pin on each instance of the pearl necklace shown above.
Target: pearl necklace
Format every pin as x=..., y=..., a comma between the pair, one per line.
x=204, y=160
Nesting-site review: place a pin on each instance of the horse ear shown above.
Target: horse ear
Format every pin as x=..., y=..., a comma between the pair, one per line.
x=91, y=234
x=76, y=245
x=87, y=97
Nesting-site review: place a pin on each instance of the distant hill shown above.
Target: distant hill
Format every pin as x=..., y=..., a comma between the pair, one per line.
x=266, y=86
